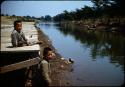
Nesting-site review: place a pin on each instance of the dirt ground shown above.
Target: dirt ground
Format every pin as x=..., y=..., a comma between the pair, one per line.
x=60, y=68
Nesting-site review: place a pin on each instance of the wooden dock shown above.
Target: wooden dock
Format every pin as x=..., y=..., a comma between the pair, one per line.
x=10, y=52
x=28, y=29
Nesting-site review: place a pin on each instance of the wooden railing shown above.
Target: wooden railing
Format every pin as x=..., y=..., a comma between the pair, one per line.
x=19, y=65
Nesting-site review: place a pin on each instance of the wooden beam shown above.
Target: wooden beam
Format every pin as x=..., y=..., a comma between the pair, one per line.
x=19, y=65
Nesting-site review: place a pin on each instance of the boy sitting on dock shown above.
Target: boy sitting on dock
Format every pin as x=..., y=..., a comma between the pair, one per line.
x=18, y=38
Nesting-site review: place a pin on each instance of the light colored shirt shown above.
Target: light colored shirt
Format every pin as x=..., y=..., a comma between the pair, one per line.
x=45, y=70
x=18, y=38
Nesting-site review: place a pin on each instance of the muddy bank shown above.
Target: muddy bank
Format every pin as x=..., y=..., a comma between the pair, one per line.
x=60, y=68
x=108, y=25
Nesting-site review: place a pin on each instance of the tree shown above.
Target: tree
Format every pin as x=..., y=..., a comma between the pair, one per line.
x=42, y=18
x=48, y=18
x=87, y=12
x=2, y=14
x=101, y=9
x=13, y=15
x=7, y=15
x=120, y=5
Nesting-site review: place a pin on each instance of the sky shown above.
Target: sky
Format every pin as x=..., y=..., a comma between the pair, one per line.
x=41, y=8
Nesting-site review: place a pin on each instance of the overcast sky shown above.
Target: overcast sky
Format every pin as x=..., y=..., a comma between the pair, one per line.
x=40, y=8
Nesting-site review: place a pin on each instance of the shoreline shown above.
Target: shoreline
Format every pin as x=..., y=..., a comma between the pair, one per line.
x=46, y=41
x=111, y=25
x=56, y=65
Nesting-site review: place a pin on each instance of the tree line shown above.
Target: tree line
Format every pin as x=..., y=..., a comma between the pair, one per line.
x=100, y=9
x=30, y=18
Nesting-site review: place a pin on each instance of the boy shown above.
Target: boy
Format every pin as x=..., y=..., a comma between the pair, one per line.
x=41, y=76
x=18, y=38
x=47, y=55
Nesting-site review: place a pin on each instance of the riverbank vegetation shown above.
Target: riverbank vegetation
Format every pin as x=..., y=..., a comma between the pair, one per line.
x=105, y=15
x=28, y=18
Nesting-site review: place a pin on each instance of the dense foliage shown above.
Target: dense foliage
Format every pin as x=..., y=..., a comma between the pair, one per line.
x=101, y=8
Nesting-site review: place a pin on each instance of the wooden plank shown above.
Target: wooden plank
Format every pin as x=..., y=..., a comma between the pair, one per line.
x=8, y=48
x=29, y=30
x=19, y=65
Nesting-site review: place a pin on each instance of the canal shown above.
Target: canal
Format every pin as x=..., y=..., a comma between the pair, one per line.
x=99, y=56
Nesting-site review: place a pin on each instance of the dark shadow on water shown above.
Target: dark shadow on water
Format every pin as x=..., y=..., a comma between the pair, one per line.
x=102, y=43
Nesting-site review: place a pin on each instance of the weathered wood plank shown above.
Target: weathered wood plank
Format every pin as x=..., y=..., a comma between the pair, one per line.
x=8, y=48
x=19, y=65
x=29, y=30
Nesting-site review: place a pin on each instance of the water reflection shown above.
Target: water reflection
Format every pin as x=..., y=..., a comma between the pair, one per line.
x=101, y=43
x=99, y=56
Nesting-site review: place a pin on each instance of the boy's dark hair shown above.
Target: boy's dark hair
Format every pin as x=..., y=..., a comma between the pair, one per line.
x=45, y=51
x=17, y=21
